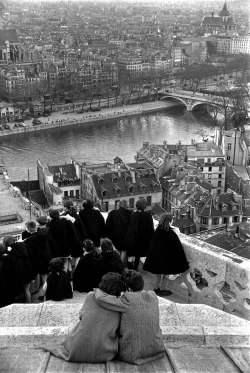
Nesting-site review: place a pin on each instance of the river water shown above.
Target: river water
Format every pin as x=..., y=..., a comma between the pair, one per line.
x=101, y=142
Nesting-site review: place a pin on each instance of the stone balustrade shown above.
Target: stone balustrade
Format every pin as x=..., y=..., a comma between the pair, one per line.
x=216, y=277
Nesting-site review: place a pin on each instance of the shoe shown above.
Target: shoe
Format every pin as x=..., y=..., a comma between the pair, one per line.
x=165, y=293
x=157, y=291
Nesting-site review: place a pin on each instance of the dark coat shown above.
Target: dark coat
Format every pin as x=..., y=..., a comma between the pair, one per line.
x=38, y=251
x=112, y=262
x=117, y=224
x=166, y=254
x=140, y=233
x=21, y=267
x=88, y=273
x=94, y=223
x=62, y=239
x=79, y=226
x=10, y=285
x=58, y=286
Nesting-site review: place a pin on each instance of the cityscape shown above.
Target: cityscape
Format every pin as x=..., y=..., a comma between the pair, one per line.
x=113, y=101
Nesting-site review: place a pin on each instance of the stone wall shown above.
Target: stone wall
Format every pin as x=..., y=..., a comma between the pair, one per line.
x=216, y=277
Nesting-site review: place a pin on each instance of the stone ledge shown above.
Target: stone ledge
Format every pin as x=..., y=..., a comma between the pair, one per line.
x=231, y=336
x=31, y=336
x=174, y=336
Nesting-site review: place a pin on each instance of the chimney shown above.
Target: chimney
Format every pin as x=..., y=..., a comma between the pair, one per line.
x=119, y=171
x=60, y=169
x=237, y=232
x=146, y=145
x=132, y=174
x=193, y=212
x=165, y=144
x=212, y=14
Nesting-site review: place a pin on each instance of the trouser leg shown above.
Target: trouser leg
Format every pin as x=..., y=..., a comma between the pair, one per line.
x=136, y=263
x=27, y=293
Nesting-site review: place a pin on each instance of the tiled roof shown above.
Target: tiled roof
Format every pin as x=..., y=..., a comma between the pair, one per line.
x=123, y=182
x=63, y=172
x=55, y=189
x=38, y=197
x=215, y=21
x=228, y=241
x=206, y=206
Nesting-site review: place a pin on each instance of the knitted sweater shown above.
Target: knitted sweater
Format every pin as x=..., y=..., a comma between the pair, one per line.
x=140, y=334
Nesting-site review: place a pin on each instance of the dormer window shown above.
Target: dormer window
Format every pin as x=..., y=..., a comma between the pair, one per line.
x=104, y=192
x=100, y=180
x=151, y=174
x=127, y=176
x=154, y=184
x=223, y=206
x=130, y=187
x=117, y=190
x=114, y=178
x=142, y=187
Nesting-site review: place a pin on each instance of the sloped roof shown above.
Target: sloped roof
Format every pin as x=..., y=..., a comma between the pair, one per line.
x=68, y=172
x=214, y=21
x=123, y=182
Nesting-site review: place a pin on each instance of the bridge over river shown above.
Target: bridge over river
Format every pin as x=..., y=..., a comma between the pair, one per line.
x=191, y=99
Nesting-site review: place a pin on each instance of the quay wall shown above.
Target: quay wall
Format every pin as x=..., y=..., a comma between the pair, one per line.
x=103, y=117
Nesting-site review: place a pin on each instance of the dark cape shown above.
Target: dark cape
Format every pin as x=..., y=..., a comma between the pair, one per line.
x=112, y=262
x=140, y=233
x=88, y=272
x=94, y=223
x=38, y=250
x=79, y=226
x=62, y=239
x=15, y=271
x=166, y=254
x=58, y=286
x=117, y=224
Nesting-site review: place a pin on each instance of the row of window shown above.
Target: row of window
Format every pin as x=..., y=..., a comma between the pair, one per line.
x=71, y=193
x=215, y=221
x=210, y=169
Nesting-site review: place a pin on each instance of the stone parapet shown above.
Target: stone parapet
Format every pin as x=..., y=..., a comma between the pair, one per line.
x=34, y=325
x=216, y=277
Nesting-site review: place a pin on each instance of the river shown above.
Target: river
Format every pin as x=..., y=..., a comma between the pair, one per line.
x=101, y=142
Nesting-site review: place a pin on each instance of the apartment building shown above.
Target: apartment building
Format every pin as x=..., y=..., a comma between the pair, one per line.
x=210, y=159
x=240, y=45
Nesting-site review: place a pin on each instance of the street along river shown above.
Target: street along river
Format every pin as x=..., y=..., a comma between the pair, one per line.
x=101, y=142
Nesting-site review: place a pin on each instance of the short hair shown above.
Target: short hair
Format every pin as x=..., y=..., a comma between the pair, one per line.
x=107, y=246
x=112, y=283
x=3, y=249
x=8, y=241
x=134, y=280
x=56, y=265
x=123, y=203
x=141, y=204
x=42, y=220
x=31, y=226
x=88, y=203
x=68, y=204
x=54, y=214
x=88, y=245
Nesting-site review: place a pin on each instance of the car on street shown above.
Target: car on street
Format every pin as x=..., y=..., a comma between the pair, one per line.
x=36, y=122
x=95, y=108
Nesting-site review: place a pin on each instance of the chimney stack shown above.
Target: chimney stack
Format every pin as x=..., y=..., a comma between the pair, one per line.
x=132, y=174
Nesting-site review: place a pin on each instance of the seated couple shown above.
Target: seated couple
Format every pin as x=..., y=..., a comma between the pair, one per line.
x=118, y=320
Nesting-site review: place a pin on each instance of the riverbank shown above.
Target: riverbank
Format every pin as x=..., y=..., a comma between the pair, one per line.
x=59, y=119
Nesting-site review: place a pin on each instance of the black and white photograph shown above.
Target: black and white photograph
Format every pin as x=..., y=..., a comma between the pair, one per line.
x=124, y=186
